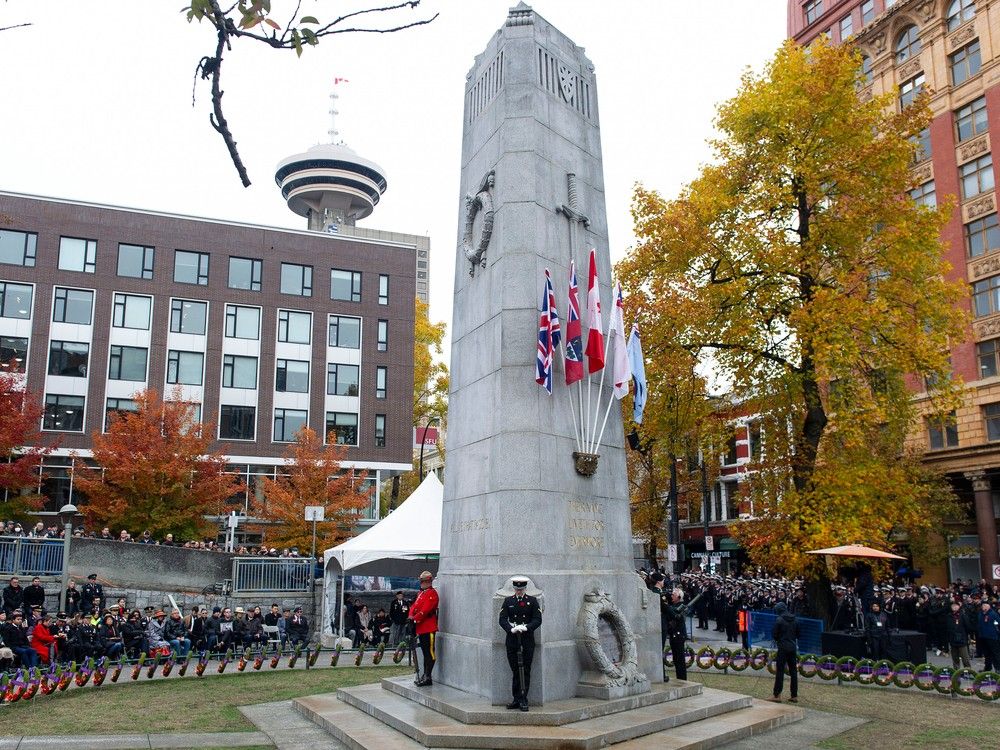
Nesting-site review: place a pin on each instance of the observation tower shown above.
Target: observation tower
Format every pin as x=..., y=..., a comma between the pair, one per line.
x=330, y=184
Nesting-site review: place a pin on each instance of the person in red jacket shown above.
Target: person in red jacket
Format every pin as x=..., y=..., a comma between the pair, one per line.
x=424, y=614
x=42, y=638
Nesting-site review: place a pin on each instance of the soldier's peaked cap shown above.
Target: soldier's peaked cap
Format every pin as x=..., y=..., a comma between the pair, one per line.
x=519, y=582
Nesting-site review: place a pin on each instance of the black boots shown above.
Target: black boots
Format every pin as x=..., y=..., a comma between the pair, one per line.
x=424, y=681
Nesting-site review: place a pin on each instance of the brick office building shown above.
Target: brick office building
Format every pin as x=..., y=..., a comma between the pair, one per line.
x=951, y=48
x=263, y=329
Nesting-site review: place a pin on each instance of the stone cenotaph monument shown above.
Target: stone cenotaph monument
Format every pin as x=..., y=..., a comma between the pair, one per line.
x=522, y=494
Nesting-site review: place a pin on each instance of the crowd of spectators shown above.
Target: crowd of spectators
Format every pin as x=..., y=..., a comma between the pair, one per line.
x=53, y=531
x=31, y=636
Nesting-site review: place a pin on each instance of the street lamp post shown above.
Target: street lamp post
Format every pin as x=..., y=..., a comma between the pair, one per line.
x=423, y=442
x=66, y=514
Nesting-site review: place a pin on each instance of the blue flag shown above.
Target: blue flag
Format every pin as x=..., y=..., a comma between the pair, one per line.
x=638, y=373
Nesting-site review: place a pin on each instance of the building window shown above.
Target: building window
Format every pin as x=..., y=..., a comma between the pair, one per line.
x=15, y=300
x=867, y=12
x=77, y=255
x=242, y=322
x=287, y=422
x=813, y=10
x=982, y=236
x=976, y=176
x=135, y=261
x=185, y=368
x=237, y=422
x=18, y=248
x=188, y=316
x=992, y=414
x=342, y=428
x=191, y=267
x=866, y=69
x=380, y=430
x=13, y=354
x=131, y=311
x=383, y=289
x=345, y=285
x=753, y=432
x=296, y=279
x=345, y=333
x=292, y=376
x=294, y=327
x=965, y=63
x=127, y=363
x=907, y=44
x=341, y=379
x=245, y=273
x=380, y=381
x=115, y=407
x=910, y=90
x=971, y=120
x=959, y=12
x=63, y=413
x=942, y=432
x=732, y=493
x=986, y=296
x=730, y=457
x=239, y=372
x=68, y=358
x=71, y=306
x=986, y=353
x=846, y=27
x=383, y=335
x=922, y=141
x=923, y=195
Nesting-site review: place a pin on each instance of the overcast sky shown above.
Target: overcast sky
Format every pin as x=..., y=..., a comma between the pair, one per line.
x=97, y=106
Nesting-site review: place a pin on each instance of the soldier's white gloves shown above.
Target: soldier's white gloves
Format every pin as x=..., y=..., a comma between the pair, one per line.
x=519, y=629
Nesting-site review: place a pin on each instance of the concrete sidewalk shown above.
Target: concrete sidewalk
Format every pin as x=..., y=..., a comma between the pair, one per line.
x=133, y=741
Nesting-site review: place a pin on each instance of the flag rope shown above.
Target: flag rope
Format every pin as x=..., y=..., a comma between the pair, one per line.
x=597, y=410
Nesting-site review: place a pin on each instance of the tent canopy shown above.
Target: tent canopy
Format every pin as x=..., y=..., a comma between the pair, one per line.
x=855, y=550
x=411, y=532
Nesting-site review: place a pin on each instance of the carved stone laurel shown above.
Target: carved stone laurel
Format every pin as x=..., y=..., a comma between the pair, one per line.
x=923, y=173
x=963, y=35
x=980, y=207
x=986, y=329
x=987, y=266
x=597, y=605
x=475, y=251
x=908, y=70
x=973, y=148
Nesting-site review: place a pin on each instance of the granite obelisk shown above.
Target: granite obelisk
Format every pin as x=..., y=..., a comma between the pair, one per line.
x=532, y=197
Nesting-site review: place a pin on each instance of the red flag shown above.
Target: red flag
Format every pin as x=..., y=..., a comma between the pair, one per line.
x=595, y=339
x=574, y=332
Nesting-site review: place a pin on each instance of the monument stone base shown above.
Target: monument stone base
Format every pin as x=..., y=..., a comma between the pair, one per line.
x=669, y=716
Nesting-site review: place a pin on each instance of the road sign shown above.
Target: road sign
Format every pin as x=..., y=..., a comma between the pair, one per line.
x=709, y=542
x=996, y=572
x=314, y=512
x=672, y=552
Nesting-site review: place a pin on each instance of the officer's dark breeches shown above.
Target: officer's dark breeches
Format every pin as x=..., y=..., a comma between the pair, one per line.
x=427, y=648
x=529, y=653
x=677, y=648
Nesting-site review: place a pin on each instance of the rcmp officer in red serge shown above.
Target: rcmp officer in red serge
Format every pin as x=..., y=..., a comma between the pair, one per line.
x=424, y=615
x=520, y=617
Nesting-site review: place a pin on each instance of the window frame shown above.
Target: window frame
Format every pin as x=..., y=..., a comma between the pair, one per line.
x=383, y=289
x=61, y=402
x=8, y=298
x=64, y=299
x=335, y=414
x=812, y=11
x=22, y=367
x=222, y=421
x=201, y=268
x=330, y=327
x=355, y=282
x=381, y=381
x=849, y=18
x=912, y=47
x=983, y=228
x=989, y=418
x=120, y=311
x=969, y=114
x=146, y=266
x=29, y=247
x=120, y=357
x=380, y=431
x=305, y=271
x=988, y=290
x=968, y=60
x=229, y=371
x=382, y=335
x=283, y=417
x=175, y=363
x=955, y=14
x=89, y=255
x=177, y=315
x=333, y=369
x=867, y=12
x=910, y=89
x=108, y=410
x=920, y=194
x=256, y=273
x=281, y=374
x=232, y=321
x=284, y=326
x=989, y=348
x=57, y=347
x=983, y=169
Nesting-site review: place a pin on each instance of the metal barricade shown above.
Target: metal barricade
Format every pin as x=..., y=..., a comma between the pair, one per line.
x=762, y=622
x=28, y=557
x=269, y=574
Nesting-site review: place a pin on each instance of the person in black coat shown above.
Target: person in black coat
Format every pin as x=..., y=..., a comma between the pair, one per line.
x=398, y=612
x=34, y=595
x=13, y=597
x=73, y=598
x=959, y=627
x=133, y=635
x=297, y=628
x=672, y=627
x=786, y=635
x=520, y=617
x=877, y=631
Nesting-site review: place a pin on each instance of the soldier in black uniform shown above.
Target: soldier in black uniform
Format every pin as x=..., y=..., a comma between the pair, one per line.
x=92, y=591
x=672, y=613
x=520, y=617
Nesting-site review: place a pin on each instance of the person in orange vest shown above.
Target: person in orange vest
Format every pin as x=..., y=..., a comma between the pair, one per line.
x=424, y=615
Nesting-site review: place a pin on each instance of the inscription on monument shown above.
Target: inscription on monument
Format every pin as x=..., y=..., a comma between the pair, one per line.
x=476, y=524
x=586, y=525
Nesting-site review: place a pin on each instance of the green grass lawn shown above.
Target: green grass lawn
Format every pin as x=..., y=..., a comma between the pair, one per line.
x=188, y=704
x=896, y=718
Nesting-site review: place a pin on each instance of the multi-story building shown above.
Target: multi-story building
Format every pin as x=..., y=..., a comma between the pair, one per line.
x=264, y=329
x=948, y=48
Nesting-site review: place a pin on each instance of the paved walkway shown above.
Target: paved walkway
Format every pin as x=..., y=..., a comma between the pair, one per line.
x=289, y=729
x=145, y=741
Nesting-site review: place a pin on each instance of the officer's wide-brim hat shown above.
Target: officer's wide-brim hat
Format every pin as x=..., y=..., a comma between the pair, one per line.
x=426, y=576
x=92, y=577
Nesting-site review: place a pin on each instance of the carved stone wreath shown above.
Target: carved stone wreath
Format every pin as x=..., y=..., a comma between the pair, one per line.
x=597, y=605
x=475, y=250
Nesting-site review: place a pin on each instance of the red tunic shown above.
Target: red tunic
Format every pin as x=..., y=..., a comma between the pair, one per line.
x=424, y=611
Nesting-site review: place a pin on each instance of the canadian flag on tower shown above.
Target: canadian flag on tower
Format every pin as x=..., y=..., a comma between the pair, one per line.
x=595, y=339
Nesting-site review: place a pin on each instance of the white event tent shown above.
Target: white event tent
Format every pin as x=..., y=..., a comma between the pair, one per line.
x=403, y=543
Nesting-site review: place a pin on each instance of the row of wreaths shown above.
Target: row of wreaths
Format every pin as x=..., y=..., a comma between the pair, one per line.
x=25, y=684
x=926, y=677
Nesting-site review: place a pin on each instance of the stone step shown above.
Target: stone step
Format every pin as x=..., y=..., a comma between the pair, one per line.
x=350, y=720
x=470, y=709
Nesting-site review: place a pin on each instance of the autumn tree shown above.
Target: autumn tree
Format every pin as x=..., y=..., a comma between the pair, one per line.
x=797, y=260
x=312, y=475
x=20, y=453
x=283, y=27
x=156, y=471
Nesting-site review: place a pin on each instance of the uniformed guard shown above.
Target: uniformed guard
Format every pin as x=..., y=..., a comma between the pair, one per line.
x=424, y=614
x=520, y=617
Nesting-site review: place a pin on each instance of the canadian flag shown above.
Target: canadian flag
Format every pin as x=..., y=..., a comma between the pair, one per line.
x=595, y=339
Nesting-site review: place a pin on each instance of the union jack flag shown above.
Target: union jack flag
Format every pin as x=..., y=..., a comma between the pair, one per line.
x=574, y=332
x=548, y=336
